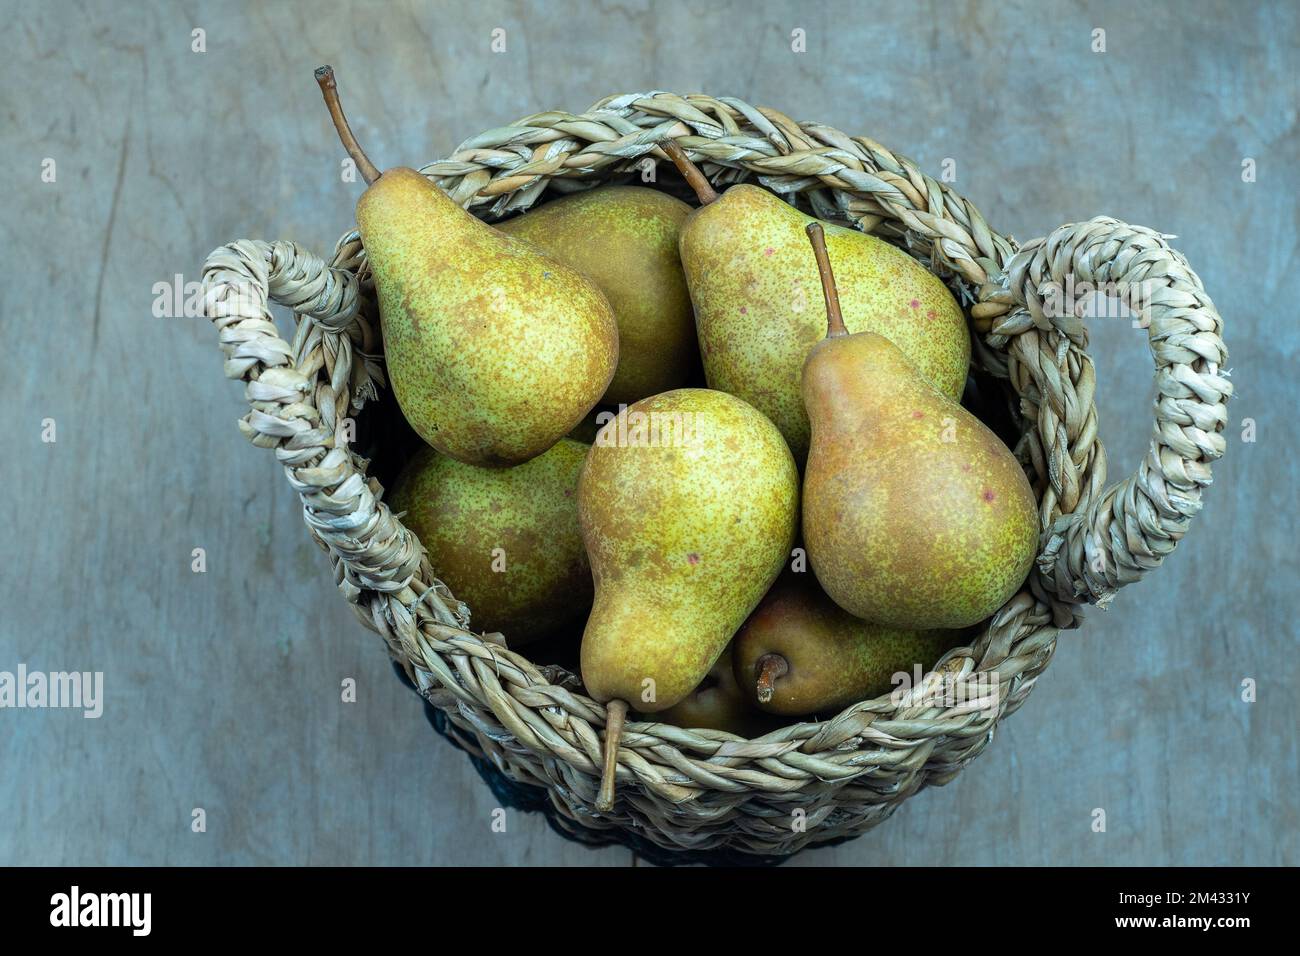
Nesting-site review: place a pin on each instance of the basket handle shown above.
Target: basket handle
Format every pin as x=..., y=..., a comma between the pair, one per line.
x=308, y=429
x=1131, y=527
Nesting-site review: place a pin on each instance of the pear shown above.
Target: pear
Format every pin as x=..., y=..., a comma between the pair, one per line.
x=800, y=653
x=624, y=239
x=494, y=350
x=915, y=515
x=754, y=290
x=505, y=540
x=719, y=703
x=688, y=503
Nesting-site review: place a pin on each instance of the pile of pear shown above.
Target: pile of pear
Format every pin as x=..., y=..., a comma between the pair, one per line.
x=779, y=540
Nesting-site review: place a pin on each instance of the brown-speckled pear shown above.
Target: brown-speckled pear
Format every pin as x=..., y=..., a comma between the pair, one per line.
x=505, y=540
x=718, y=703
x=800, y=653
x=688, y=502
x=915, y=515
x=755, y=293
x=624, y=239
x=494, y=350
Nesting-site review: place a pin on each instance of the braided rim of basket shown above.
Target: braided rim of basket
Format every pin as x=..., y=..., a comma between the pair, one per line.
x=698, y=788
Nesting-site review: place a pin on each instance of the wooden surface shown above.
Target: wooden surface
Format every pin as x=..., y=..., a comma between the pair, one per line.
x=223, y=688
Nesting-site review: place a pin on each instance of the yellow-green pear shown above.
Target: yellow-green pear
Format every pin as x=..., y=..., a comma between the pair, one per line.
x=688, y=503
x=505, y=540
x=800, y=653
x=915, y=515
x=755, y=294
x=624, y=239
x=494, y=349
x=719, y=703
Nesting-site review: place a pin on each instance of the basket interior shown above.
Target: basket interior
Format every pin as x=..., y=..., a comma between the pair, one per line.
x=384, y=437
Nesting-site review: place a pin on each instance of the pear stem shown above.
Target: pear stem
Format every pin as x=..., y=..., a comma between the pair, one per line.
x=704, y=190
x=325, y=78
x=834, y=319
x=615, y=714
x=770, y=668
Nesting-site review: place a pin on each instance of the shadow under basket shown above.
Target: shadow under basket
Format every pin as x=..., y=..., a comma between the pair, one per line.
x=687, y=794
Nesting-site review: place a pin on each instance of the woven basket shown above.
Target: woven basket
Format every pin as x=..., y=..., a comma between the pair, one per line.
x=688, y=789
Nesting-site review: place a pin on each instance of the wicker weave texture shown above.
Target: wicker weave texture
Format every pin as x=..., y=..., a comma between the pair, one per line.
x=808, y=782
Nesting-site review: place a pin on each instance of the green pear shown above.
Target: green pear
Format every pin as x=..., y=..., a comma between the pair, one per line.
x=688, y=503
x=718, y=703
x=915, y=515
x=494, y=350
x=755, y=293
x=800, y=653
x=624, y=239
x=505, y=540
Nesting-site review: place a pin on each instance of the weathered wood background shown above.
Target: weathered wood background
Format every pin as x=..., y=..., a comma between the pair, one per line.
x=222, y=688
